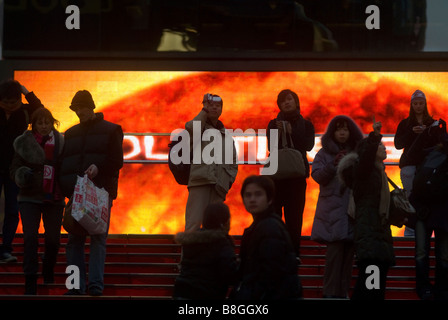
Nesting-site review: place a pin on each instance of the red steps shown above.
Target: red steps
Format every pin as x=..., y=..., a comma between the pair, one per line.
x=145, y=266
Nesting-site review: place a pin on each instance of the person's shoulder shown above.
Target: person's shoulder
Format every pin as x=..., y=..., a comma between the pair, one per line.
x=72, y=131
x=108, y=123
x=270, y=225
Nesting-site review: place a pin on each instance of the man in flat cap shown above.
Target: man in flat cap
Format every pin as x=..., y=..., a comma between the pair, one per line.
x=93, y=147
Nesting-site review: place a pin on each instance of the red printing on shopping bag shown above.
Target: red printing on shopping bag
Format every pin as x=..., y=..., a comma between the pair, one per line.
x=104, y=214
x=78, y=198
x=92, y=199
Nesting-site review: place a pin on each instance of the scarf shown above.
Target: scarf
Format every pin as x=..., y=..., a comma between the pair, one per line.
x=48, y=144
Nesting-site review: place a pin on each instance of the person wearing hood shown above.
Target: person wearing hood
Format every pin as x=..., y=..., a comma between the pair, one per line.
x=35, y=170
x=364, y=172
x=414, y=136
x=332, y=224
x=290, y=193
x=268, y=268
x=93, y=147
x=208, y=266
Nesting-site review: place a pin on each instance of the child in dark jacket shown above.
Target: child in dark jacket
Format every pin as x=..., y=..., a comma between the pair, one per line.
x=208, y=263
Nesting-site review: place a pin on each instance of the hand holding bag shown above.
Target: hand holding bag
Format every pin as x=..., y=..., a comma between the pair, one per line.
x=69, y=223
x=90, y=206
x=290, y=160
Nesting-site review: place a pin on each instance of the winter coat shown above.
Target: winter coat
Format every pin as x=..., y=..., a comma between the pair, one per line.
x=432, y=211
x=27, y=168
x=268, y=269
x=331, y=220
x=223, y=174
x=96, y=142
x=208, y=265
x=414, y=143
x=302, y=134
x=372, y=238
x=13, y=127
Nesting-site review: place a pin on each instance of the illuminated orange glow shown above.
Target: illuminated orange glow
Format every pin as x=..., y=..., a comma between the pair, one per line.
x=149, y=200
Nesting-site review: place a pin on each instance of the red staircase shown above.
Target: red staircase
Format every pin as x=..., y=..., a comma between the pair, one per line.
x=145, y=267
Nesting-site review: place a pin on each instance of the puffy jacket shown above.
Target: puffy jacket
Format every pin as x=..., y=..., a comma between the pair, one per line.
x=96, y=142
x=331, y=221
x=208, y=265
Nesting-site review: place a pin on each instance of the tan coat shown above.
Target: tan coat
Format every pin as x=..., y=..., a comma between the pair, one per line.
x=221, y=175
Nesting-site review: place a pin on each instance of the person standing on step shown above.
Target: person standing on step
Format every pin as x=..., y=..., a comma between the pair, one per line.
x=364, y=172
x=290, y=193
x=14, y=120
x=268, y=268
x=93, y=147
x=208, y=182
x=413, y=138
x=332, y=224
x=35, y=171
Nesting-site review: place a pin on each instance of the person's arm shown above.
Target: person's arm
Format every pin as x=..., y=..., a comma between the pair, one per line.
x=303, y=136
x=322, y=171
x=34, y=102
x=404, y=136
x=367, y=158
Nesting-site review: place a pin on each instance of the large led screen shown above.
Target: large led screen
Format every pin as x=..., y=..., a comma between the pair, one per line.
x=149, y=105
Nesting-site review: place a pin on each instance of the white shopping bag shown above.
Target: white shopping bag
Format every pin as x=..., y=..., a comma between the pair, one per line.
x=90, y=206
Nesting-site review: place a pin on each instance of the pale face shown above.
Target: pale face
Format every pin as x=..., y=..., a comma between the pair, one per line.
x=418, y=105
x=342, y=134
x=289, y=104
x=255, y=199
x=214, y=110
x=43, y=126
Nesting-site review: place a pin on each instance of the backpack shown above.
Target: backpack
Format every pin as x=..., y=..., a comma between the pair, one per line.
x=431, y=178
x=181, y=171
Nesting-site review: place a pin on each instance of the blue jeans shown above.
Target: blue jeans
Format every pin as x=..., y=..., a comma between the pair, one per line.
x=11, y=220
x=76, y=256
x=422, y=250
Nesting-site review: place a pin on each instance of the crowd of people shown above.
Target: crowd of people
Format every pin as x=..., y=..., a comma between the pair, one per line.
x=353, y=212
x=40, y=165
x=39, y=169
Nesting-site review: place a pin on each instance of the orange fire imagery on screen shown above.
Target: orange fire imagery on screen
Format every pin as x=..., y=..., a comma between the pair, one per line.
x=149, y=199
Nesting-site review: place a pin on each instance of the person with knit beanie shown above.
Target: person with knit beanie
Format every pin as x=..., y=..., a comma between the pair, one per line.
x=413, y=135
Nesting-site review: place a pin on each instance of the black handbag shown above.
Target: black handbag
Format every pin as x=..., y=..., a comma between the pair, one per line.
x=400, y=208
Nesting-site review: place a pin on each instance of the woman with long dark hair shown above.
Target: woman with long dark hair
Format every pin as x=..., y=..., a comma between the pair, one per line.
x=414, y=135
